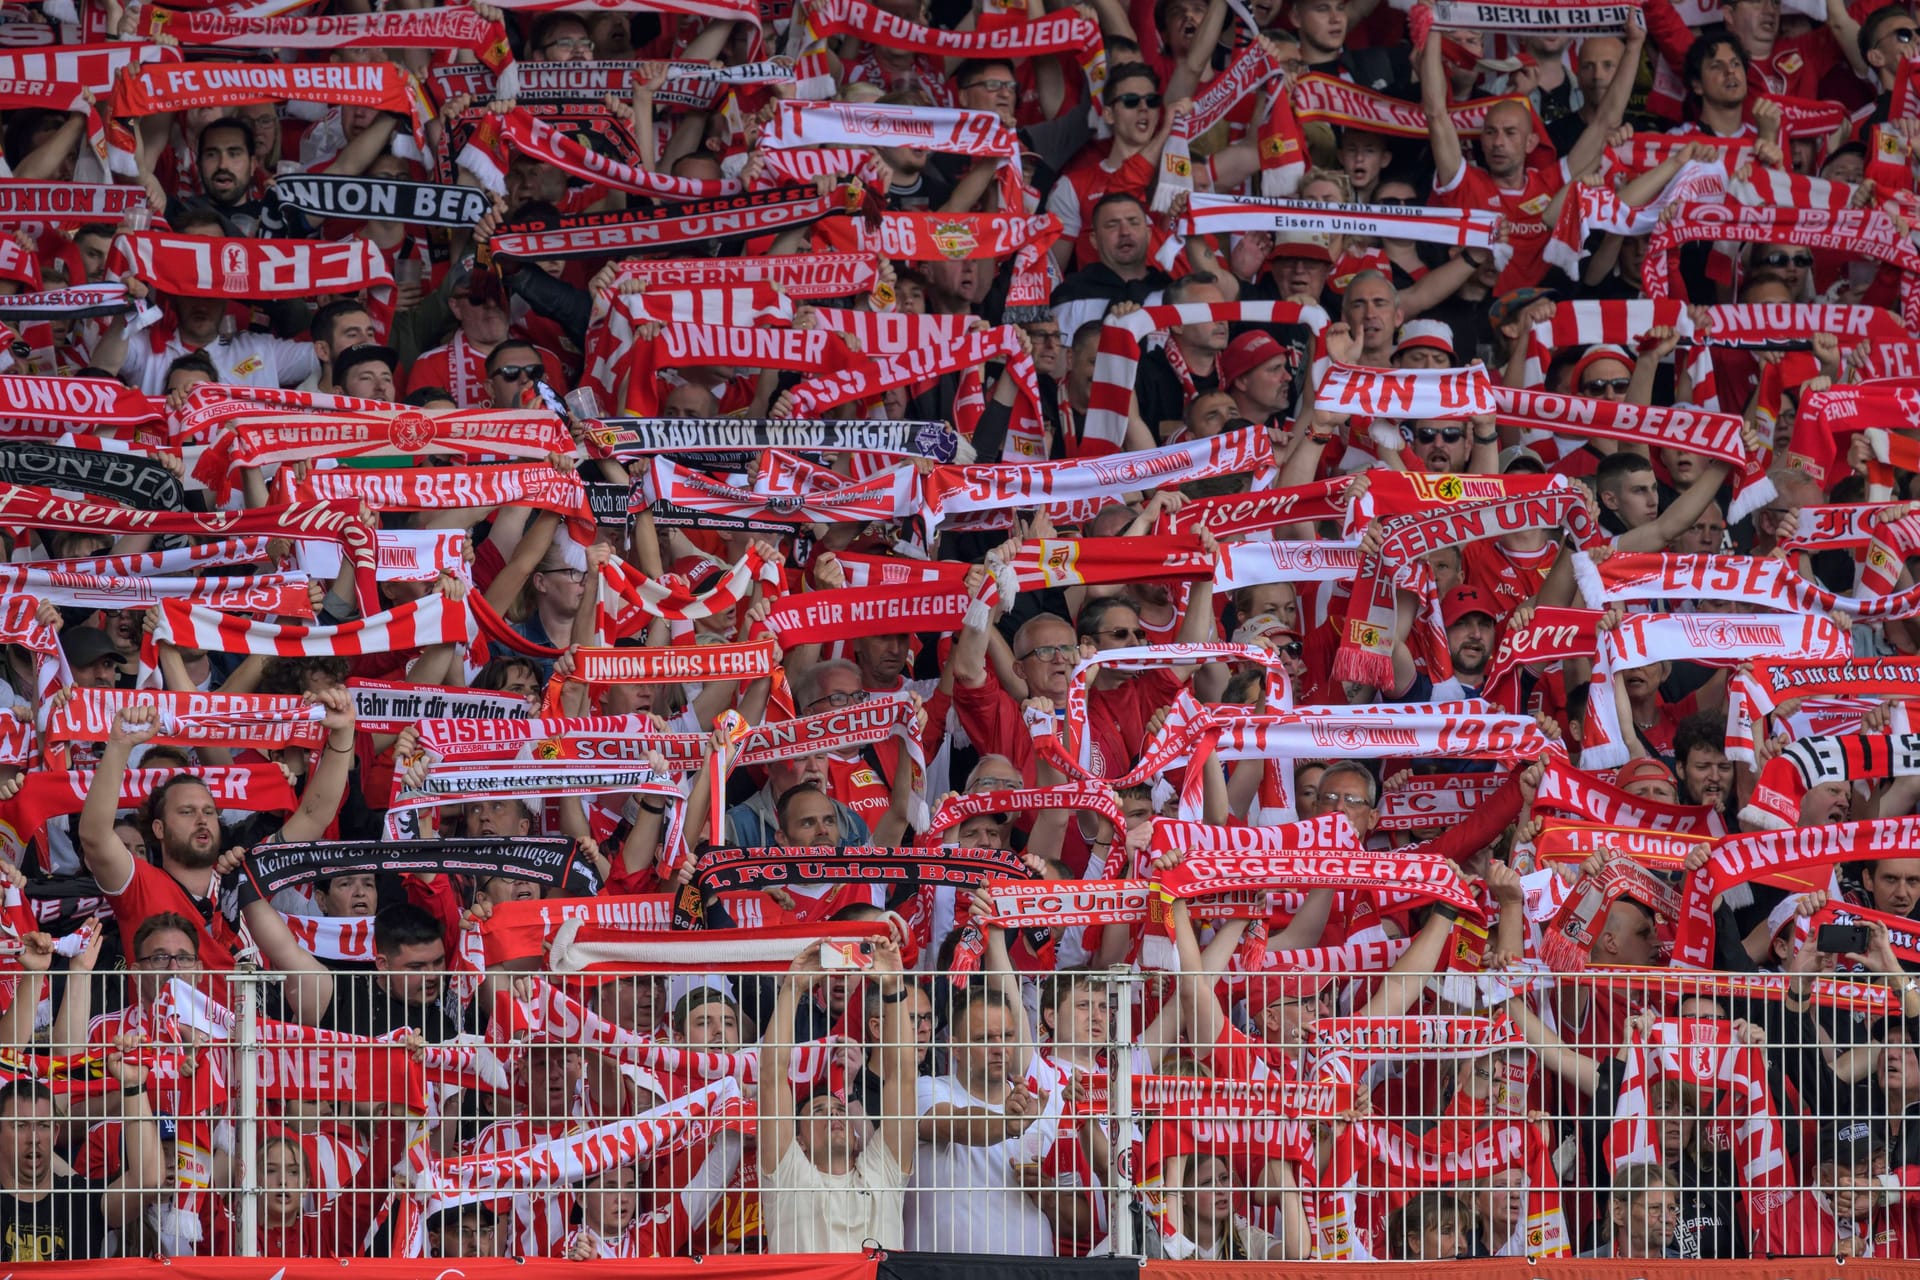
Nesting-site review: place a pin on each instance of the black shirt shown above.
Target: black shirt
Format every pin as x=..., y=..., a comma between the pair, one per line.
x=362, y=1006
x=1163, y=398
x=63, y=1226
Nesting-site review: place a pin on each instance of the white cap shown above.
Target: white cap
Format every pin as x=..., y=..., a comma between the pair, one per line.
x=1425, y=333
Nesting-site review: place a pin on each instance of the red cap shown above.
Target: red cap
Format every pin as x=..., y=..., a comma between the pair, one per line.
x=1275, y=985
x=1644, y=769
x=1595, y=356
x=1248, y=352
x=1463, y=600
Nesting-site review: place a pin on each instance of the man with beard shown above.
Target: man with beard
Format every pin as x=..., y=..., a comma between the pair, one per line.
x=185, y=823
x=1469, y=615
x=836, y=1178
x=1258, y=373
x=1449, y=446
x=1706, y=775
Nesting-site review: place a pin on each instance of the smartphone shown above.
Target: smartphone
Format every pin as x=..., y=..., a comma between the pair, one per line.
x=1842, y=939
x=846, y=955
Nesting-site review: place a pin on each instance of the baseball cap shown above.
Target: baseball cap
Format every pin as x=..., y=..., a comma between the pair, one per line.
x=1518, y=456
x=1302, y=244
x=1432, y=335
x=1463, y=600
x=1509, y=305
x=1644, y=769
x=1850, y=1144
x=695, y=570
x=1275, y=985
x=1248, y=352
x=353, y=357
x=85, y=646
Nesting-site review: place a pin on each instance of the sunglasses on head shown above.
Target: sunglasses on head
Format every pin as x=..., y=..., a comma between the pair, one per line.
x=1133, y=101
x=1600, y=386
x=1427, y=435
x=515, y=372
x=1786, y=260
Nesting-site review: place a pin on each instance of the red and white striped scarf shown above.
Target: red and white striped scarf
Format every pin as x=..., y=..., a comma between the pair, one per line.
x=1564, y=789
x=1118, y=360
x=432, y=619
x=866, y=380
x=530, y=484
x=1252, y=67
x=671, y=599
x=1857, y=232
x=1705, y=1056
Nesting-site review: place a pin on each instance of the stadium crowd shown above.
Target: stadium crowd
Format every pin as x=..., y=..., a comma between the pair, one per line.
x=1194, y=629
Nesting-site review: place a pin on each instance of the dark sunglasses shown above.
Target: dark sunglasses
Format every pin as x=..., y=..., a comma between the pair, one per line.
x=515, y=372
x=1786, y=260
x=1905, y=35
x=1599, y=386
x=1293, y=649
x=1396, y=202
x=1134, y=100
x=1427, y=435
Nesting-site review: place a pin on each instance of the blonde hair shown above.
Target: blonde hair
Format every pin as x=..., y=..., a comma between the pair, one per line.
x=1338, y=177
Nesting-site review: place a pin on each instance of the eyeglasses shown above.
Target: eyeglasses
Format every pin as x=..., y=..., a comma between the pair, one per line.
x=1124, y=633
x=1427, y=435
x=996, y=784
x=1134, y=101
x=840, y=699
x=168, y=960
x=571, y=575
x=1600, y=386
x=1786, y=259
x=1335, y=798
x=1051, y=652
x=1044, y=337
x=515, y=372
x=994, y=85
x=569, y=44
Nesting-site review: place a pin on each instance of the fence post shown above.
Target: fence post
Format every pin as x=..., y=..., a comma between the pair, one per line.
x=246, y=980
x=1120, y=1113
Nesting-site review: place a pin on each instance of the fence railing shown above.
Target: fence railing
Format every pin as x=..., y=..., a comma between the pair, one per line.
x=391, y=1112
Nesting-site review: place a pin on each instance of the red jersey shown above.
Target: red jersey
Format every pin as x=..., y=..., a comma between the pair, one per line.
x=1525, y=211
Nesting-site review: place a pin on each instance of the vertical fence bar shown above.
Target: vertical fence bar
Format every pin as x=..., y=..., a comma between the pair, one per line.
x=246, y=1037
x=1120, y=1114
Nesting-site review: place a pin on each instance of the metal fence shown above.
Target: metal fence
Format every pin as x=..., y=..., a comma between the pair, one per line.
x=392, y=1112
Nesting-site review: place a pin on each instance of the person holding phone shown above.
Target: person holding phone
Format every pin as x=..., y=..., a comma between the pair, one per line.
x=833, y=1179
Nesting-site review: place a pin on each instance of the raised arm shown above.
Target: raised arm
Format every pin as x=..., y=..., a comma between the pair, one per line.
x=106, y=857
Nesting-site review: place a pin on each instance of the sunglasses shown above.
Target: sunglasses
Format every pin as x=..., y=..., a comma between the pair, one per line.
x=1427, y=435
x=1293, y=649
x=515, y=372
x=1600, y=386
x=1123, y=634
x=1786, y=260
x=1133, y=101
x=1903, y=35
x=1395, y=202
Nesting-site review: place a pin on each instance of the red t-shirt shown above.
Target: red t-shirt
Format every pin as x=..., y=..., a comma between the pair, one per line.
x=152, y=891
x=1525, y=211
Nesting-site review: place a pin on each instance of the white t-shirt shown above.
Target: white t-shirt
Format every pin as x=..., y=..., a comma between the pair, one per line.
x=808, y=1211
x=967, y=1199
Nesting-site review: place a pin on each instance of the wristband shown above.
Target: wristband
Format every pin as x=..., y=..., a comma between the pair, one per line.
x=1487, y=439
x=133, y=1091
x=345, y=751
x=650, y=809
x=897, y=996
